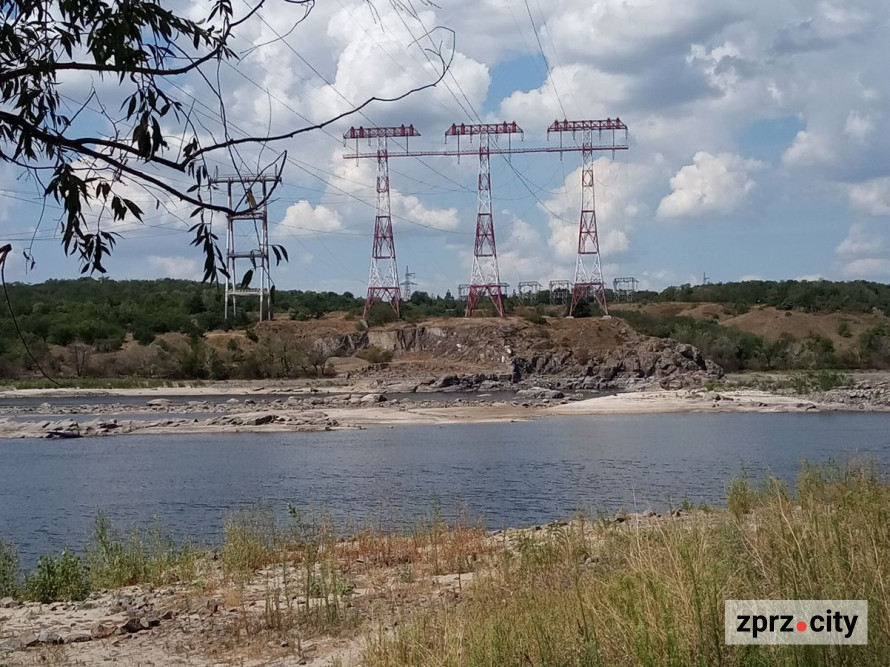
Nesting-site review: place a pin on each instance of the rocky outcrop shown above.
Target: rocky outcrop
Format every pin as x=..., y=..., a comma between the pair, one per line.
x=591, y=354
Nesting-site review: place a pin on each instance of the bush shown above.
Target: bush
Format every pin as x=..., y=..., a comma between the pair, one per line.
x=58, y=578
x=9, y=569
x=375, y=355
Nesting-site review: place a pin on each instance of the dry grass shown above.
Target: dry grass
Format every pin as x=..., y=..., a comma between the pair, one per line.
x=597, y=594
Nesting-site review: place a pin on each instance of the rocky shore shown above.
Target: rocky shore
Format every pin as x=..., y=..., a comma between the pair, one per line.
x=446, y=399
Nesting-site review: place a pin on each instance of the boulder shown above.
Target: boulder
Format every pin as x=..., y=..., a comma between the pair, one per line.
x=259, y=420
x=373, y=398
x=76, y=637
x=158, y=402
x=133, y=624
x=49, y=636
x=446, y=381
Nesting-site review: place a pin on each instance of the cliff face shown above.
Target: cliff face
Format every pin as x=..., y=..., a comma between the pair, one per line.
x=589, y=353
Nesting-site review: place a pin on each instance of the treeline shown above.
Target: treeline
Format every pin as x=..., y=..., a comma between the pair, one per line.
x=820, y=296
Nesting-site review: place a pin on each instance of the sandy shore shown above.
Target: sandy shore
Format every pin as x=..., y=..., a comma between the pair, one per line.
x=308, y=412
x=645, y=402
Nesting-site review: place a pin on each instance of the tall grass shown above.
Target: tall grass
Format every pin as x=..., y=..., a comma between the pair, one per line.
x=654, y=595
x=141, y=556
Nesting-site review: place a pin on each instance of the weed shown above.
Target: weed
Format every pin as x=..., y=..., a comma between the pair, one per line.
x=9, y=569
x=741, y=496
x=141, y=557
x=58, y=578
x=251, y=540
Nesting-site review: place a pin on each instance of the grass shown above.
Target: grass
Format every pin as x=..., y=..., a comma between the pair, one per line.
x=806, y=382
x=655, y=595
x=93, y=383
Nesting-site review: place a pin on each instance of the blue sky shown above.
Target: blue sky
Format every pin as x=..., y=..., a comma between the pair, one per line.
x=756, y=142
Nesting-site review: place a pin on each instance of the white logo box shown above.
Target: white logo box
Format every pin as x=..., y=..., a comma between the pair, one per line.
x=810, y=622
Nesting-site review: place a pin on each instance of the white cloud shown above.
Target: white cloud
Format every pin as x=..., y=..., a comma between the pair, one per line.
x=750, y=276
x=304, y=219
x=185, y=268
x=808, y=149
x=861, y=241
x=863, y=254
x=872, y=197
x=859, y=126
x=712, y=184
x=412, y=208
x=618, y=207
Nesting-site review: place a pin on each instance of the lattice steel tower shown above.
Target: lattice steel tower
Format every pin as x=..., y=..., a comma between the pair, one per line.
x=383, y=280
x=259, y=256
x=486, y=278
x=588, y=280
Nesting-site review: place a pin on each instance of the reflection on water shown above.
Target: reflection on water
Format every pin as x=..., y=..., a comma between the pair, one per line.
x=509, y=473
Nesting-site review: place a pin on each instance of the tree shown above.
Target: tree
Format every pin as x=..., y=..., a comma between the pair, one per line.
x=84, y=152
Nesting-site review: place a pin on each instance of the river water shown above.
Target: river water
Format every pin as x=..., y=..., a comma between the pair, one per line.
x=510, y=474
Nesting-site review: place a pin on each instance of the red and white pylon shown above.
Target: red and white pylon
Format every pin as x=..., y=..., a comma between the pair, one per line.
x=588, y=282
x=485, y=279
x=383, y=280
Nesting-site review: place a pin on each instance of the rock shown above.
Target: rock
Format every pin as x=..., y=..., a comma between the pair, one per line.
x=539, y=393
x=648, y=514
x=167, y=615
x=150, y=621
x=15, y=644
x=77, y=637
x=401, y=388
x=373, y=398
x=49, y=637
x=233, y=401
x=158, y=402
x=446, y=381
x=621, y=516
x=62, y=429
x=259, y=420
x=132, y=625
x=8, y=603
x=103, y=629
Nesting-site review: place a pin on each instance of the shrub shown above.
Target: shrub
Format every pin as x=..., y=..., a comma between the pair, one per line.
x=58, y=578
x=375, y=355
x=741, y=496
x=150, y=556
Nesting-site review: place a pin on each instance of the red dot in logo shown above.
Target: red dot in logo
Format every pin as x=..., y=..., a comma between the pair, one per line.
x=801, y=626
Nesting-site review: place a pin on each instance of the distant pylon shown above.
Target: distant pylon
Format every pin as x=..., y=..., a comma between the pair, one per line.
x=383, y=281
x=408, y=283
x=485, y=279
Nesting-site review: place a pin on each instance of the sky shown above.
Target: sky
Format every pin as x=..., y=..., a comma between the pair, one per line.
x=755, y=144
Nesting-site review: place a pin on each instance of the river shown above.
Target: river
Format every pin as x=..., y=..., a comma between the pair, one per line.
x=511, y=474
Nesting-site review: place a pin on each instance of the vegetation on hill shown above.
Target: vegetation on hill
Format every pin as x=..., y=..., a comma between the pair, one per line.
x=822, y=296
x=65, y=321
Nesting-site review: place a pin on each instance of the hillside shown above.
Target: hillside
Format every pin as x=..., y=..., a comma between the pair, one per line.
x=843, y=329
x=173, y=329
